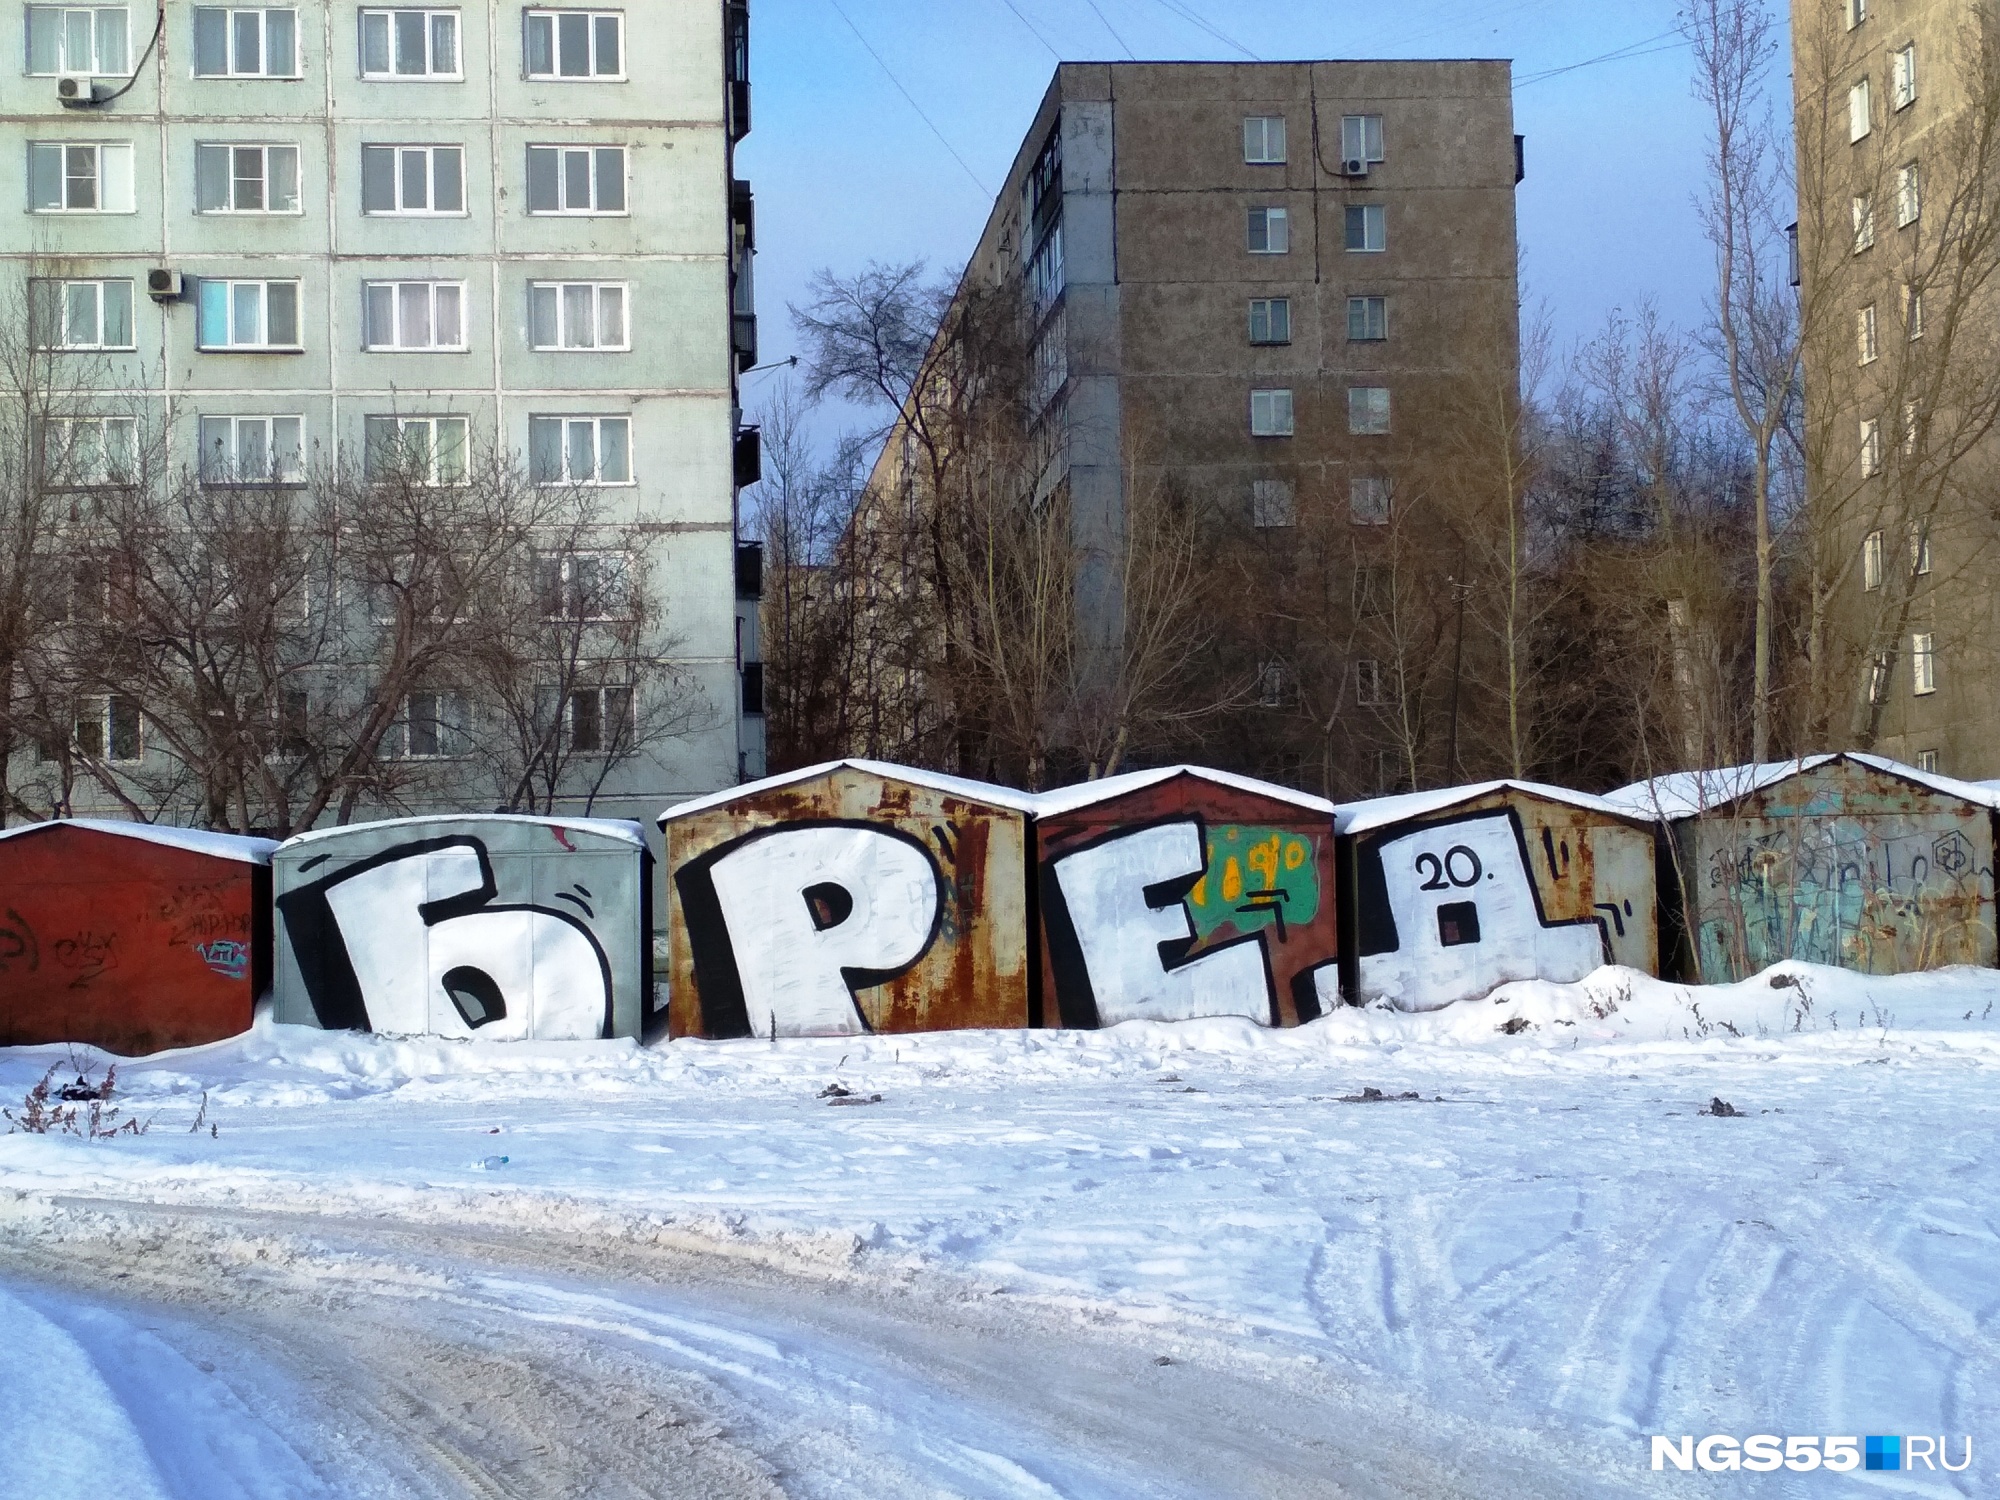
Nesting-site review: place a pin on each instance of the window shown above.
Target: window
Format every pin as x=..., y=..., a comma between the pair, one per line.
x=1368, y=682
x=1871, y=446
x=1859, y=107
x=434, y=726
x=80, y=314
x=79, y=39
x=600, y=719
x=1909, y=195
x=1871, y=561
x=1367, y=409
x=575, y=44
x=584, y=585
x=1048, y=362
x=1878, y=680
x=1369, y=592
x=1913, y=312
x=409, y=44
x=1920, y=548
x=423, y=450
x=261, y=42
x=1903, y=76
x=413, y=179
x=108, y=729
x=1273, y=684
x=1923, y=664
x=88, y=450
x=252, y=450
x=414, y=314
x=247, y=315
x=1368, y=499
x=1864, y=333
x=246, y=179
x=580, y=450
x=1864, y=222
x=577, y=315
x=79, y=179
x=1270, y=231
x=1367, y=226
x=1857, y=12
x=1909, y=429
x=1367, y=319
x=1270, y=413
x=1270, y=320
x=576, y=179
x=1272, y=504
x=1927, y=760
x=1264, y=139
x=1361, y=139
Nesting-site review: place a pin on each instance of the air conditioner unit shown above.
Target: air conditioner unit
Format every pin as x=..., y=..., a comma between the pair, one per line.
x=163, y=285
x=1354, y=166
x=79, y=93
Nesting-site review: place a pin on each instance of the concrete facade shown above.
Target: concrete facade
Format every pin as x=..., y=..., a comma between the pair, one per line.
x=665, y=112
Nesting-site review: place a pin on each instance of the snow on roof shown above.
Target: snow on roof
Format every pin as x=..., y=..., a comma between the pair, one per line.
x=622, y=829
x=194, y=840
x=955, y=786
x=1088, y=793
x=1686, y=794
x=1380, y=812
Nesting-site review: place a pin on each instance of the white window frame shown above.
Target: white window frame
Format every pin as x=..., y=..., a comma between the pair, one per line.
x=1273, y=225
x=1273, y=684
x=1271, y=413
x=1903, y=75
x=554, y=16
x=1273, y=504
x=105, y=474
x=97, y=65
x=434, y=428
x=1361, y=139
x=615, y=701
x=1878, y=679
x=234, y=153
x=1368, y=683
x=1923, y=664
x=595, y=151
x=104, y=174
x=559, y=293
x=1857, y=12
x=1860, y=111
x=1277, y=320
x=432, y=15
x=279, y=434
x=1913, y=312
x=103, y=716
x=1368, y=308
x=434, y=293
x=1910, y=413
x=236, y=287
x=1374, y=222
x=232, y=16
x=1369, y=411
x=1370, y=499
x=1871, y=447
x=1871, y=562
x=1920, y=549
x=449, y=717
x=568, y=421
x=1864, y=222
x=53, y=324
x=1927, y=761
x=1264, y=140
x=398, y=166
x=1909, y=194
x=1865, y=334
x=556, y=583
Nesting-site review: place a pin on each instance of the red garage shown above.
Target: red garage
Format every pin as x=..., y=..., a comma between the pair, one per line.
x=130, y=936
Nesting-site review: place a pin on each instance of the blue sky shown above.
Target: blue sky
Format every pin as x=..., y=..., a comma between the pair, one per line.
x=846, y=169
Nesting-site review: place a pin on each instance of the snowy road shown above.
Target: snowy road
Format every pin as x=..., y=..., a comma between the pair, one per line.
x=1499, y=1287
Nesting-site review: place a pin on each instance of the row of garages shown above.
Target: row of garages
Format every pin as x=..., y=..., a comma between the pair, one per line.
x=857, y=897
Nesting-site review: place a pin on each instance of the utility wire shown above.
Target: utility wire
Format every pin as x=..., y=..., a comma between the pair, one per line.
x=1032, y=28
x=1188, y=15
x=983, y=188
x=1113, y=30
x=1621, y=54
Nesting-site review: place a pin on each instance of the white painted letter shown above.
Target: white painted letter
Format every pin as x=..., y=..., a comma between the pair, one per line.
x=1761, y=1454
x=1716, y=1453
x=1928, y=1453
x=1956, y=1468
x=1682, y=1453
x=1843, y=1453
x=790, y=959
x=1802, y=1453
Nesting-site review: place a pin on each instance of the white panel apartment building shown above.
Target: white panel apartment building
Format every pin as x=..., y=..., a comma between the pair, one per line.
x=514, y=223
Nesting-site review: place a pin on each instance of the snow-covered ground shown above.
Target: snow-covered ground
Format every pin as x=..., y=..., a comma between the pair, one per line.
x=1552, y=1237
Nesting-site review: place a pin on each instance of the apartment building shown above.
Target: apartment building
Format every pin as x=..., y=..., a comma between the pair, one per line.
x=1897, y=105
x=1275, y=292
x=298, y=232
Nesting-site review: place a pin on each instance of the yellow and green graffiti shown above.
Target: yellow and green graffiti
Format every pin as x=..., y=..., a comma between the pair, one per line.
x=1256, y=877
